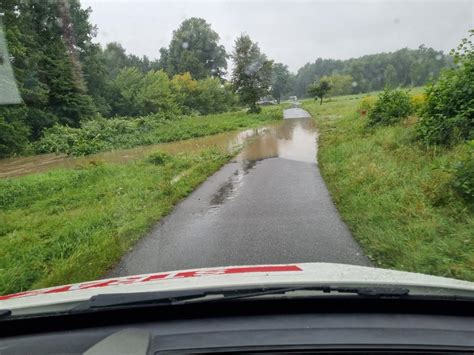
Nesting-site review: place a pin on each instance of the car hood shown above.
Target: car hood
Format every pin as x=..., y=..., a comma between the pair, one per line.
x=320, y=274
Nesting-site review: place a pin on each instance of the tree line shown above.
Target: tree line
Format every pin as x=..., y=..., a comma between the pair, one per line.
x=404, y=67
x=65, y=78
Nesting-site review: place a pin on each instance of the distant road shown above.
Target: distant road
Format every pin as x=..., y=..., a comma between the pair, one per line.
x=295, y=112
x=270, y=205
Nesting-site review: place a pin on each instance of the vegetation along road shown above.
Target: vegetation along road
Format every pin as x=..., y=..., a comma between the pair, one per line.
x=117, y=164
x=269, y=205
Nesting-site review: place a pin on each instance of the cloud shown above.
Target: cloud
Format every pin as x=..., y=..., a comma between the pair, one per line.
x=291, y=32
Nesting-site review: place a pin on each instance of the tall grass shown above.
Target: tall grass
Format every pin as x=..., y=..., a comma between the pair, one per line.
x=72, y=225
x=394, y=194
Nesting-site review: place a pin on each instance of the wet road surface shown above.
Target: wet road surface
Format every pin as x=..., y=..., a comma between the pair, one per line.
x=270, y=205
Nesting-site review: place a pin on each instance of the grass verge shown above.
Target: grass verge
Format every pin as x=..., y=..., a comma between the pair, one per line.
x=72, y=225
x=394, y=194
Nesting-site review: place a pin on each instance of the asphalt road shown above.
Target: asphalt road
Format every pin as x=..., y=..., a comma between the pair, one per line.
x=270, y=205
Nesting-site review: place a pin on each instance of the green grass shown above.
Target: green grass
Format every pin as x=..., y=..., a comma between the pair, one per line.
x=394, y=194
x=72, y=225
x=105, y=134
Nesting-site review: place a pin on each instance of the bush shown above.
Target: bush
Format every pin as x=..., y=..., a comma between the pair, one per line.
x=391, y=107
x=102, y=134
x=158, y=158
x=463, y=181
x=448, y=116
x=97, y=135
x=418, y=102
x=366, y=105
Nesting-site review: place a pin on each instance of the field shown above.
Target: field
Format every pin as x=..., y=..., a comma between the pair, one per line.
x=394, y=194
x=70, y=225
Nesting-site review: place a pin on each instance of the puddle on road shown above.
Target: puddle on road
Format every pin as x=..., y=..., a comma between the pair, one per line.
x=293, y=139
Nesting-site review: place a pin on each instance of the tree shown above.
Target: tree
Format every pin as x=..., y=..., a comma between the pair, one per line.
x=185, y=90
x=13, y=134
x=390, y=76
x=214, y=96
x=319, y=90
x=405, y=67
x=340, y=84
x=194, y=48
x=115, y=58
x=44, y=57
x=251, y=76
x=280, y=81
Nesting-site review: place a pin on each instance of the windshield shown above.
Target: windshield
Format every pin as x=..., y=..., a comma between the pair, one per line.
x=151, y=137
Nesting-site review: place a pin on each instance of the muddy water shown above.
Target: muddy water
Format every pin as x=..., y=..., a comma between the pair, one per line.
x=290, y=139
x=293, y=139
x=40, y=163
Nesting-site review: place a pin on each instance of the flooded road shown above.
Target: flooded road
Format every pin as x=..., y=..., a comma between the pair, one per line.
x=229, y=141
x=278, y=142
x=269, y=205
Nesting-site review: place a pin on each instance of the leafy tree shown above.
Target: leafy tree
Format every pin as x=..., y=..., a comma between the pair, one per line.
x=320, y=89
x=138, y=94
x=214, y=96
x=116, y=59
x=340, y=84
x=251, y=76
x=185, y=90
x=155, y=95
x=125, y=90
x=390, y=76
x=280, y=81
x=195, y=49
x=411, y=67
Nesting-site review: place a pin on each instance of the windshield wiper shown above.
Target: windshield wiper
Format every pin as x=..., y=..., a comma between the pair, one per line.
x=180, y=297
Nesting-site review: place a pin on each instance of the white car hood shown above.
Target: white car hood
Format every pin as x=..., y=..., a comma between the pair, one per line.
x=230, y=277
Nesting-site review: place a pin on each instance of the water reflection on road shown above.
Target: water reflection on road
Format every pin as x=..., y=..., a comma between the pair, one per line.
x=291, y=139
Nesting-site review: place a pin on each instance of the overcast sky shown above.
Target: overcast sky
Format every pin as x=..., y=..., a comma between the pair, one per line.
x=291, y=32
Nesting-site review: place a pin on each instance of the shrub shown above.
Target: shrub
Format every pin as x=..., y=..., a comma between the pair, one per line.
x=101, y=134
x=97, y=135
x=448, y=116
x=158, y=158
x=463, y=181
x=418, y=102
x=391, y=107
x=366, y=105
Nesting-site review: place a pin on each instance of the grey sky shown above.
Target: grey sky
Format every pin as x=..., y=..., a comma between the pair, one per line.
x=291, y=32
